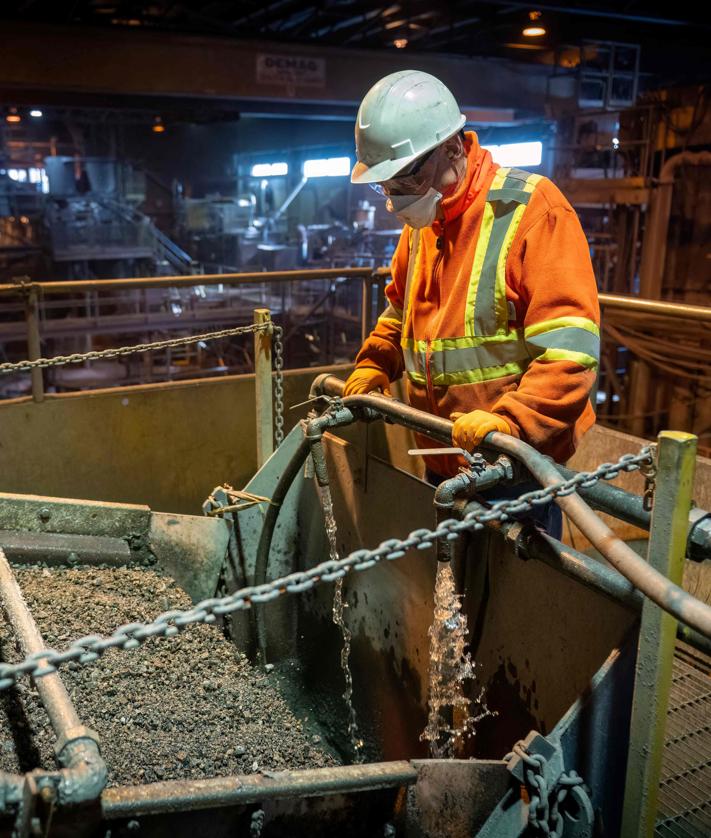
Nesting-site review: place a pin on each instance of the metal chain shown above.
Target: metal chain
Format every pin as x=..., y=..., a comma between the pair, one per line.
x=85, y=650
x=278, y=347
x=649, y=472
x=544, y=803
x=78, y=357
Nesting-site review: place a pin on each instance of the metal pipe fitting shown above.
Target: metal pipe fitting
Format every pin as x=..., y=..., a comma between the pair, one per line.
x=83, y=774
x=629, y=507
x=651, y=583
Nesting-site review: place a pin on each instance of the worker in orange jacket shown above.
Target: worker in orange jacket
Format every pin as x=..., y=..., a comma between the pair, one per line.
x=493, y=313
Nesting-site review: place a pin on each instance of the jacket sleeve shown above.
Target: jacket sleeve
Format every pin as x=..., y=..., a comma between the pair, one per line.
x=382, y=348
x=558, y=293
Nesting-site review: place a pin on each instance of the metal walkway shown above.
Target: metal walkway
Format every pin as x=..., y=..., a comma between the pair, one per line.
x=685, y=788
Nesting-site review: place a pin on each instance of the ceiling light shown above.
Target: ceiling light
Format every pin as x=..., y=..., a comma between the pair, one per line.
x=535, y=30
x=400, y=43
x=13, y=116
x=36, y=113
x=158, y=127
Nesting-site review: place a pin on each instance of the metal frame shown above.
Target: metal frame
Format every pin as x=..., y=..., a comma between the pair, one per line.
x=83, y=774
x=655, y=655
x=372, y=287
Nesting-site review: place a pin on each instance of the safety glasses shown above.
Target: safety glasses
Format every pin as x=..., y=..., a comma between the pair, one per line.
x=416, y=178
x=421, y=174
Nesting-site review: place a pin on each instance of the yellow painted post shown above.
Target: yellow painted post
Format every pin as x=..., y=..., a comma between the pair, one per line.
x=263, y=386
x=676, y=461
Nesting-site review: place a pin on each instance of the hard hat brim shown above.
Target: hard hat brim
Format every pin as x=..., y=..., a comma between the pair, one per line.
x=387, y=169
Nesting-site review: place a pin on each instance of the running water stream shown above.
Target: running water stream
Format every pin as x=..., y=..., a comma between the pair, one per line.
x=338, y=618
x=452, y=715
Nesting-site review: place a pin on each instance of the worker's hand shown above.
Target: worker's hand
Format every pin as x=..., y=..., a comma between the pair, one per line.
x=470, y=428
x=365, y=380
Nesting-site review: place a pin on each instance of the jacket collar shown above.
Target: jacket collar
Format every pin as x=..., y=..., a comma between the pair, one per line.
x=479, y=165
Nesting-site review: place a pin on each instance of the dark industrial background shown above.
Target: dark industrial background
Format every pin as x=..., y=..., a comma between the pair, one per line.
x=136, y=139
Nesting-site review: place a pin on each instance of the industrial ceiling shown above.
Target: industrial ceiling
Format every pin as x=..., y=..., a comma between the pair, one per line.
x=674, y=37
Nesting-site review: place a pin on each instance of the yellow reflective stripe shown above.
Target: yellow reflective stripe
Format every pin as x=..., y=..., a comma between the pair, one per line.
x=470, y=376
x=562, y=323
x=569, y=355
x=391, y=315
x=468, y=342
x=482, y=244
x=500, y=297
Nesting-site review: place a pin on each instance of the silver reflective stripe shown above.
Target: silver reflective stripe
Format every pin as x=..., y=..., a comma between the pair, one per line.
x=391, y=313
x=486, y=356
x=577, y=340
x=489, y=311
x=414, y=361
x=411, y=259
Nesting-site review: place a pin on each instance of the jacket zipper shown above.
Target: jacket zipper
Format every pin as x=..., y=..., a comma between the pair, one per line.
x=428, y=339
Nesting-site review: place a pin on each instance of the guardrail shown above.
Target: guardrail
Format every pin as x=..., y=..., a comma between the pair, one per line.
x=373, y=295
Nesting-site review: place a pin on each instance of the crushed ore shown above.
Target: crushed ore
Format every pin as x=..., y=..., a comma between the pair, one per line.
x=185, y=707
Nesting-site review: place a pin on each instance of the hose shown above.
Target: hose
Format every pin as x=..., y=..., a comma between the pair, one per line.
x=261, y=564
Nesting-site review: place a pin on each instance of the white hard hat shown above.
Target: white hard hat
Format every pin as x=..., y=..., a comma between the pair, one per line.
x=402, y=117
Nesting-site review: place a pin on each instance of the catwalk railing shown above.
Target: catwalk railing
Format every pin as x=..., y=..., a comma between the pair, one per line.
x=373, y=283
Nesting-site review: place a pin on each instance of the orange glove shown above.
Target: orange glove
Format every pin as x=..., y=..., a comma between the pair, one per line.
x=365, y=380
x=470, y=428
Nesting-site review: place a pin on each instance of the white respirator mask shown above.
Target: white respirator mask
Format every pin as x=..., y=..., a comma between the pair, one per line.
x=416, y=210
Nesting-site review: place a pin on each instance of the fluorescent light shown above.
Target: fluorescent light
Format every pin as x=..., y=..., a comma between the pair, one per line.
x=517, y=154
x=270, y=169
x=36, y=113
x=534, y=31
x=328, y=167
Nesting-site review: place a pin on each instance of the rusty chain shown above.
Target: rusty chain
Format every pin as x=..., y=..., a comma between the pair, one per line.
x=85, y=650
x=170, y=343
x=278, y=335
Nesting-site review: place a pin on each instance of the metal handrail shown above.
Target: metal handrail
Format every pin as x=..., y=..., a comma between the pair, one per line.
x=254, y=278
x=662, y=308
x=656, y=587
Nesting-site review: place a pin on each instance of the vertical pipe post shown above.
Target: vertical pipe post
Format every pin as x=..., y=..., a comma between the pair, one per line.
x=676, y=462
x=34, y=350
x=366, y=308
x=263, y=386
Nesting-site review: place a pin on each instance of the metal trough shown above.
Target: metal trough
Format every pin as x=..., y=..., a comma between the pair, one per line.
x=555, y=641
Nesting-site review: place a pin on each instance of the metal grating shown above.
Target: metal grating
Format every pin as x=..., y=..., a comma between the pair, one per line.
x=685, y=789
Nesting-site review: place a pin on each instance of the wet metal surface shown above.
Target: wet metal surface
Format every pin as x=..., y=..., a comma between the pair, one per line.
x=224, y=791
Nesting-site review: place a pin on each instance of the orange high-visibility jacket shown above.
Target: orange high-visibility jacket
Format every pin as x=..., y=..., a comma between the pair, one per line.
x=495, y=308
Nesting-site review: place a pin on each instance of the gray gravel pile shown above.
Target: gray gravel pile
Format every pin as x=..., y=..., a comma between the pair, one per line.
x=185, y=707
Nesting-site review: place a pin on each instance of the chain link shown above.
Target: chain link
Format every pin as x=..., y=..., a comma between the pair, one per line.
x=544, y=803
x=171, y=343
x=278, y=348
x=85, y=650
x=649, y=473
